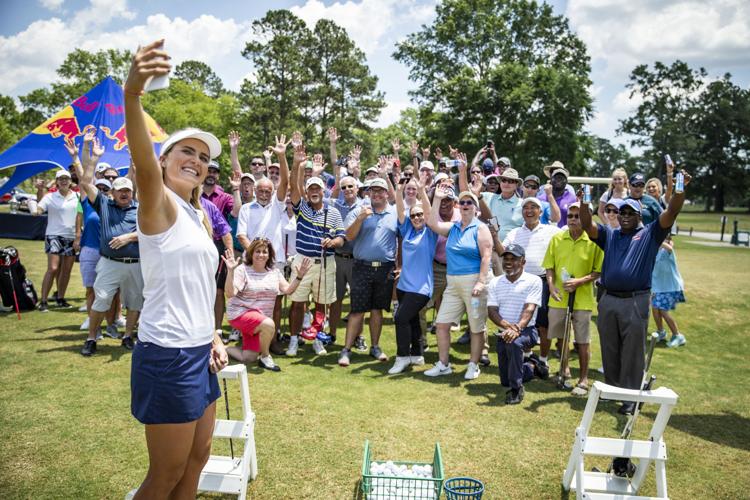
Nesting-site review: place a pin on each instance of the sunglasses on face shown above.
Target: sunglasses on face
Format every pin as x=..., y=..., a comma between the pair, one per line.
x=507, y=181
x=611, y=211
x=414, y=216
x=574, y=216
x=476, y=171
x=637, y=185
x=110, y=177
x=256, y=163
x=531, y=186
x=464, y=203
x=103, y=189
x=350, y=186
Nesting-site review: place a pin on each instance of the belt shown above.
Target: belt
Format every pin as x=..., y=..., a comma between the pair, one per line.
x=626, y=295
x=373, y=263
x=345, y=255
x=439, y=263
x=124, y=260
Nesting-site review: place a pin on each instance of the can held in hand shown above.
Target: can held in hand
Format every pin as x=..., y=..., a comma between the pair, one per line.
x=679, y=182
x=586, y=193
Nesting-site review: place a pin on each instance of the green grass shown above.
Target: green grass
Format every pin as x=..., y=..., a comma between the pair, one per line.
x=68, y=433
x=711, y=222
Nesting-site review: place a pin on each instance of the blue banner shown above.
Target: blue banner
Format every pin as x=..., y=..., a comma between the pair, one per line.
x=102, y=107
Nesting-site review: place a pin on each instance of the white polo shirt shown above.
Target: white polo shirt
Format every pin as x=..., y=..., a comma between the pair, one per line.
x=534, y=242
x=510, y=298
x=257, y=221
x=61, y=213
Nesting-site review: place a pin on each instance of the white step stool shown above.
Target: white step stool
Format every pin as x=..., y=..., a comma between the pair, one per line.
x=601, y=485
x=223, y=474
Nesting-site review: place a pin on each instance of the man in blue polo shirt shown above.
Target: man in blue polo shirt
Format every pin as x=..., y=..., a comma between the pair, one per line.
x=629, y=256
x=119, y=268
x=373, y=229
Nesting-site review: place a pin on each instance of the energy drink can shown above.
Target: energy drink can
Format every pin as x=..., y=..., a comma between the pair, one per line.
x=679, y=182
x=668, y=160
x=586, y=193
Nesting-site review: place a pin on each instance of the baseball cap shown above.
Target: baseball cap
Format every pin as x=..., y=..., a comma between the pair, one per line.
x=488, y=164
x=533, y=200
x=122, y=183
x=213, y=164
x=637, y=177
x=317, y=181
x=504, y=160
x=101, y=167
x=630, y=202
x=471, y=195
x=426, y=165
x=532, y=177
x=377, y=183
x=577, y=205
x=515, y=249
x=247, y=175
x=439, y=177
x=209, y=139
x=559, y=171
x=372, y=169
x=62, y=173
x=103, y=182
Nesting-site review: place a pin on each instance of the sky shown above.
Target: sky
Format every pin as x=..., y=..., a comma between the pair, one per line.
x=36, y=35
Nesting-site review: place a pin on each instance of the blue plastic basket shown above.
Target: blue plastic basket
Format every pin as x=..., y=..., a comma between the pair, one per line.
x=463, y=488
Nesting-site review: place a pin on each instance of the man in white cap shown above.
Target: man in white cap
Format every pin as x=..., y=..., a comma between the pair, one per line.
x=320, y=231
x=119, y=268
x=426, y=173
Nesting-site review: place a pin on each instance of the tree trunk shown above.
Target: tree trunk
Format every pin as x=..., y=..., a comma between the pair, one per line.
x=719, y=198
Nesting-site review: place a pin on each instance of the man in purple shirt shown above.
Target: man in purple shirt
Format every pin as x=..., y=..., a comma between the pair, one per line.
x=563, y=196
x=214, y=193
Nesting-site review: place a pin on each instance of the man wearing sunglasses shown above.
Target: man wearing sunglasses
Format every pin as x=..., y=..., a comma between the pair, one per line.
x=550, y=210
x=629, y=257
x=257, y=167
x=650, y=208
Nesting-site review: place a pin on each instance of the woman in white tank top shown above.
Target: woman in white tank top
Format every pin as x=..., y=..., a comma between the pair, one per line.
x=173, y=376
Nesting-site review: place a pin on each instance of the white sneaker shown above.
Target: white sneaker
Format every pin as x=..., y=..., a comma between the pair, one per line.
x=293, y=345
x=85, y=325
x=439, y=369
x=112, y=332
x=120, y=322
x=317, y=346
x=82, y=309
x=472, y=371
x=401, y=364
x=416, y=360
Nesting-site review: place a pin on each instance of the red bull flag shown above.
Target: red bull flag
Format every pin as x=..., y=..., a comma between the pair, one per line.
x=102, y=107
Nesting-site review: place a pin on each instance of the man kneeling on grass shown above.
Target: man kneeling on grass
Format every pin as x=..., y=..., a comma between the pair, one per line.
x=512, y=302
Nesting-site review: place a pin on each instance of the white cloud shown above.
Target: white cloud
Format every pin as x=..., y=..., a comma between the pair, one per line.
x=370, y=23
x=100, y=13
x=391, y=113
x=53, y=5
x=29, y=59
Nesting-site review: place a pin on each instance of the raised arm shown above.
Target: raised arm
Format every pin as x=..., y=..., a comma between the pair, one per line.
x=554, y=208
x=235, y=183
x=400, y=203
x=234, y=157
x=586, y=222
x=333, y=136
x=414, y=147
x=667, y=217
x=157, y=212
x=434, y=222
x=670, y=183
x=280, y=151
x=299, y=157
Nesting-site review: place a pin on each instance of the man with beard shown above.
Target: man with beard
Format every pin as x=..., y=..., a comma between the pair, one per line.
x=224, y=202
x=629, y=257
x=563, y=195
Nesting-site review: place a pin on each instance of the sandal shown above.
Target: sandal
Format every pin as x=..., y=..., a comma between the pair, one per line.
x=580, y=389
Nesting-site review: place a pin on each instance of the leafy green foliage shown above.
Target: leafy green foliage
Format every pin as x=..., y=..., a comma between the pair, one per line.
x=201, y=76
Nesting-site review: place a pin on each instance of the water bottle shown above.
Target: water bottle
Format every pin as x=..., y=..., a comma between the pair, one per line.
x=679, y=183
x=565, y=275
x=586, y=193
x=14, y=204
x=475, y=304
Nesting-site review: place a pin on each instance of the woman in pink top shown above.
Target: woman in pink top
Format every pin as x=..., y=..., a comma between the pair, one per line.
x=251, y=288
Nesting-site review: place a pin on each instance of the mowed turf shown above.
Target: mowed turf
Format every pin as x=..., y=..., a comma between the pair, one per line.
x=67, y=431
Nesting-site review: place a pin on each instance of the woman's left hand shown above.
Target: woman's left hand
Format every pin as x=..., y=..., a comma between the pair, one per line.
x=219, y=358
x=478, y=289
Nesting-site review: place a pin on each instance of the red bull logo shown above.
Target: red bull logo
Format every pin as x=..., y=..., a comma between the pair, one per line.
x=120, y=137
x=63, y=123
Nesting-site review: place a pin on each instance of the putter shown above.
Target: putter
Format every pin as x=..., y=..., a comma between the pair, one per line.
x=226, y=405
x=623, y=466
x=560, y=380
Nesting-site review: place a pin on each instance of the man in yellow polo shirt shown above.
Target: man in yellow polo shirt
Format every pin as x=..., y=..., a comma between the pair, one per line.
x=581, y=258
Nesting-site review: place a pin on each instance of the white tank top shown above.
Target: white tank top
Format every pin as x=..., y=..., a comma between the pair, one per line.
x=179, y=289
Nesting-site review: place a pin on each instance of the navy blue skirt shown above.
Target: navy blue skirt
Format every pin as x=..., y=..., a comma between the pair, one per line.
x=171, y=385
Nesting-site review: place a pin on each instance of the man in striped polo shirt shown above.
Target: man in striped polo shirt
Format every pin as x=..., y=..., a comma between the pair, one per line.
x=319, y=229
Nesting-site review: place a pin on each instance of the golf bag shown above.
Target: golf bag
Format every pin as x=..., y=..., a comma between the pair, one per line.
x=13, y=279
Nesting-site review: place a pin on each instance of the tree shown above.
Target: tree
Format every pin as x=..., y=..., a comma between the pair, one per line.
x=80, y=71
x=604, y=157
x=201, y=76
x=703, y=126
x=507, y=70
x=15, y=124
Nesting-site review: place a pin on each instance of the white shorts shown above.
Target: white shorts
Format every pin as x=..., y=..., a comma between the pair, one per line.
x=112, y=276
x=457, y=300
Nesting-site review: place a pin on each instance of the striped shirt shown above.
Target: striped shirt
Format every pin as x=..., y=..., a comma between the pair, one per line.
x=510, y=298
x=255, y=291
x=534, y=242
x=311, y=230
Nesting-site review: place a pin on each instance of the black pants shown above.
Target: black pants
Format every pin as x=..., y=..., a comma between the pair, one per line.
x=408, y=328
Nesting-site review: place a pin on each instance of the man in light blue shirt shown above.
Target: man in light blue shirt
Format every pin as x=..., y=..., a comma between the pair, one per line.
x=373, y=228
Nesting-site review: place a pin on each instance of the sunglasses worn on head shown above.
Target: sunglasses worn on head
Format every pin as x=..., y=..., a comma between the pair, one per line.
x=464, y=203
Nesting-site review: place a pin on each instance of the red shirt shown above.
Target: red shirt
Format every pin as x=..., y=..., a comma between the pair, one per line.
x=223, y=201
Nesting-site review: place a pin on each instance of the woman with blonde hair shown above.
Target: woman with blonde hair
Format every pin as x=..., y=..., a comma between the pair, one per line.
x=618, y=189
x=173, y=374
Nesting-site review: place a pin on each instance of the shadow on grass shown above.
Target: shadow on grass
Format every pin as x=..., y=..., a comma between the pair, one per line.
x=357, y=493
x=114, y=351
x=727, y=429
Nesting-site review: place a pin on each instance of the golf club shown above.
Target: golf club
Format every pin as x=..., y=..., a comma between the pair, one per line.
x=560, y=380
x=226, y=405
x=324, y=336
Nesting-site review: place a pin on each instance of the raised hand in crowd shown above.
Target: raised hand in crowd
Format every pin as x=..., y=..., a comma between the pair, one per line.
x=267, y=153
x=318, y=165
x=438, y=153
x=297, y=139
x=356, y=152
x=396, y=146
x=303, y=267
x=333, y=135
x=234, y=144
x=453, y=152
x=426, y=153
x=230, y=260
x=234, y=139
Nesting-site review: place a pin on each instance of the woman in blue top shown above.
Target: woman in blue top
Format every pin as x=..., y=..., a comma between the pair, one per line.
x=667, y=291
x=415, y=283
x=468, y=253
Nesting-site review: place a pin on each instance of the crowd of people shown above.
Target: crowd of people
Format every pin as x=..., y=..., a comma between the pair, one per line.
x=473, y=240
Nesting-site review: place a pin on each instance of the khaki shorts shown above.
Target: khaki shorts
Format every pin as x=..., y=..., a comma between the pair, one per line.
x=457, y=300
x=311, y=284
x=438, y=283
x=581, y=325
x=111, y=276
